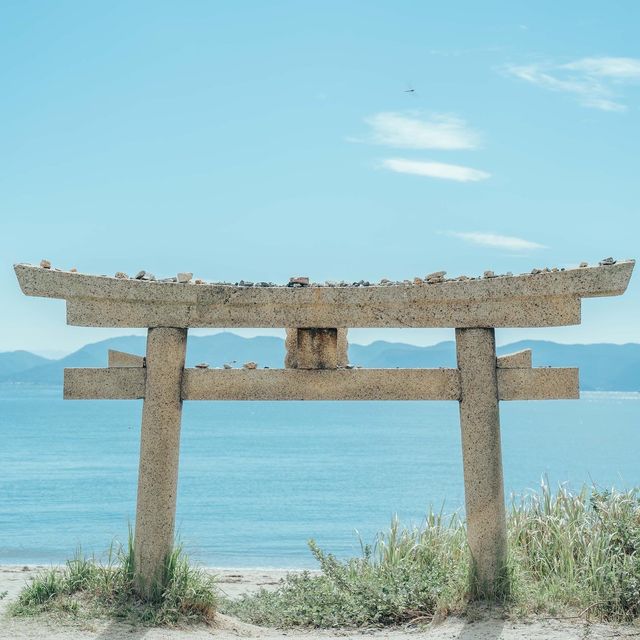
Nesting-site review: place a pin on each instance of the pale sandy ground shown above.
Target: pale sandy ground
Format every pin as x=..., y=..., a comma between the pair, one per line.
x=233, y=583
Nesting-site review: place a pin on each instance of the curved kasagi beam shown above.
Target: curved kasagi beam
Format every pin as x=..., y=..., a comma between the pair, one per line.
x=532, y=300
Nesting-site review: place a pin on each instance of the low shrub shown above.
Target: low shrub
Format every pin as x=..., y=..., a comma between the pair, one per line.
x=406, y=575
x=568, y=552
x=107, y=589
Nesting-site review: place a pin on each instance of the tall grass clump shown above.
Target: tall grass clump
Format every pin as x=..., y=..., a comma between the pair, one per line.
x=578, y=551
x=407, y=574
x=107, y=589
x=570, y=553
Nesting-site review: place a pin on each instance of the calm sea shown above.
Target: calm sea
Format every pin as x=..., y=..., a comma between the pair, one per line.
x=257, y=480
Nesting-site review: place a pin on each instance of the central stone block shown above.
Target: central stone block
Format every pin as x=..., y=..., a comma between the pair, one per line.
x=316, y=348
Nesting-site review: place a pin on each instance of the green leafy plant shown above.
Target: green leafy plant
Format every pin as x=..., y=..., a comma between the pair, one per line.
x=406, y=575
x=576, y=553
x=83, y=585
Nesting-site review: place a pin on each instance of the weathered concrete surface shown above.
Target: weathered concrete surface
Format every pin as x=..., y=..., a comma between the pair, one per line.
x=544, y=299
x=353, y=311
x=312, y=349
x=123, y=359
x=343, y=347
x=336, y=384
x=518, y=360
x=114, y=383
x=159, y=450
x=541, y=383
x=128, y=383
x=482, y=457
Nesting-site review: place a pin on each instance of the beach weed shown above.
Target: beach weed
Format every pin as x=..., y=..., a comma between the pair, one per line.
x=407, y=574
x=107, y=589
x=569, y=554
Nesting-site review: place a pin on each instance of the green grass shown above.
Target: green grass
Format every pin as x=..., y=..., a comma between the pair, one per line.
x=94, y=589
x=577, y=552
x=570, y=554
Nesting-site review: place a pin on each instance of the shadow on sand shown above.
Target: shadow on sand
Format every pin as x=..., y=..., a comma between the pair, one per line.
x=118, y=631
x=482, y=630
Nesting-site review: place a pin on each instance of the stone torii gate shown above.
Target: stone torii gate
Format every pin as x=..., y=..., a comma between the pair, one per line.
x=317, y=318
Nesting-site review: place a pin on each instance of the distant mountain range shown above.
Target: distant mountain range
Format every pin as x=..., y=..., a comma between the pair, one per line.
x=603, y=367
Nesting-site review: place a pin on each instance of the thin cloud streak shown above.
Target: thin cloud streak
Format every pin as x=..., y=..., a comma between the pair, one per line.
x=627, y=68
x=410, y=130
x=590, y=80
x=439, y=170
x=497, y=241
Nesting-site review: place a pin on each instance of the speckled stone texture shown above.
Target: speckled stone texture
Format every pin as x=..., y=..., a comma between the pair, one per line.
x=159, y=450
x=328, y=384
x=540, y=383
x=343, y=347
x=316, y=348
x=123, y=359
x=517, y=360
x=128, y=383
x=544, y=299
x=312, y=349
x=482, y=456
x=113, y=383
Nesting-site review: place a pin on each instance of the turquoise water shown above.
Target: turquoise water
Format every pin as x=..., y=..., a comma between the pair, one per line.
x=258, y=479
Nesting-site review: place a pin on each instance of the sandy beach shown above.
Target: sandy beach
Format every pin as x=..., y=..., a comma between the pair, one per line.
x=488, y=626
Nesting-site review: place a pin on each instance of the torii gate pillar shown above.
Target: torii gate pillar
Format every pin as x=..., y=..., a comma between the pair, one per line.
x=159, y=451
x=482, y=458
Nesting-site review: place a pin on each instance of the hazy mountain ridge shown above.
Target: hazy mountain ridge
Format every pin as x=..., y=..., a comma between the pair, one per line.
x=12, y=362
x=603, y=367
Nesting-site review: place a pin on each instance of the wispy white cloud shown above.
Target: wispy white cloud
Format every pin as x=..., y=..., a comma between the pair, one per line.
x=623, y=68
x=497, y=241
x=440, y=170
x=590, y=80
x=412, y=130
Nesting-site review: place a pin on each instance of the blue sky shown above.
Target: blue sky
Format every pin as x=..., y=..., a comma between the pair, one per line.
x=260, y=140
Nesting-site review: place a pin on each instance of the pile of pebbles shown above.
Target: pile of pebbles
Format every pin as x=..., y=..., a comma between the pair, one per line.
x=436, y=277
x=229, y=365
